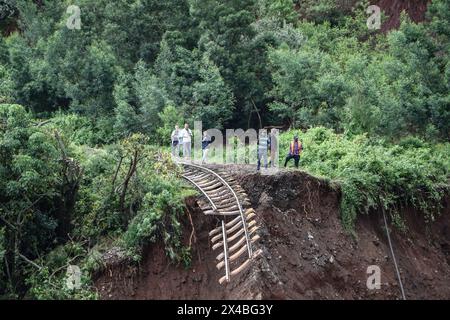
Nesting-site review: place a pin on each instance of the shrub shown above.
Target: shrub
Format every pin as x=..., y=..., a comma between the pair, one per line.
x=158, y=219
x=375, y=175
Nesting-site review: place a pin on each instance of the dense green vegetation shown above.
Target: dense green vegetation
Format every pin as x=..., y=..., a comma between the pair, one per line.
x=64, y=202
x=82, y=113
x=374, y=175
x=230, y=63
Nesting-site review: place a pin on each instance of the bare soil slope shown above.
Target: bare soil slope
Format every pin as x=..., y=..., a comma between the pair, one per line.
x=415, y=9
x=306, y=252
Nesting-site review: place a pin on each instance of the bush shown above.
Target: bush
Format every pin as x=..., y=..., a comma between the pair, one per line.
x=69, y=197
x=76, y=129
x=373, y=175
x=158, y=219
x=31, y=184
x=169, y=117
x=50, y=282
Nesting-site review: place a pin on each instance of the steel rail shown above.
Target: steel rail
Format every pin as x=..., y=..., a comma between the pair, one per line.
x=244, y=222
x=225, y=252
x=201, y=190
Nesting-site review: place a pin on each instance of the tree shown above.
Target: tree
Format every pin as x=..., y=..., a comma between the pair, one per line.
x=294, y=75
x=438, y=15
x=127, y=120
x=6, y=86
x=229, y=38
x=4, y=55
x=177, y=68
x=170, y=116
x=29, y=183
x=29, y=85
x=139, y=99
x=283, y=10
x=151, y=97
x=321, y=11
x=90, y=83
x=141, y=25
x=212, y=101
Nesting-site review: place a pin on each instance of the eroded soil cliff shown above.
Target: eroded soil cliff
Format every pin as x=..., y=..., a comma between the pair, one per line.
x=306, y=252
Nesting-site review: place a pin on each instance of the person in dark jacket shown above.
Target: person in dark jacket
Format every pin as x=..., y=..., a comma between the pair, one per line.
x=295, y=149
x=205, y=146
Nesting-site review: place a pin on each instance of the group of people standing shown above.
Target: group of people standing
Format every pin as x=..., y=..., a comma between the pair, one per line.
x=265, y=144
x=183, y=138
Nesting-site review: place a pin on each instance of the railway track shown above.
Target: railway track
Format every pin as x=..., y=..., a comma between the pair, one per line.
x=236, y=235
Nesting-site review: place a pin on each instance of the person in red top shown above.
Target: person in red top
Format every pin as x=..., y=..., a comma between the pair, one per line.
x=295, y=149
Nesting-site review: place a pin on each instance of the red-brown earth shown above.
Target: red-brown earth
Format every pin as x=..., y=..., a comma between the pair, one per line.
x=306, y=252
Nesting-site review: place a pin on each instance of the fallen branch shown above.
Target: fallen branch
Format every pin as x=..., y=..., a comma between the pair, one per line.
x=29, y=261
x=64, y=266
x=43, y=123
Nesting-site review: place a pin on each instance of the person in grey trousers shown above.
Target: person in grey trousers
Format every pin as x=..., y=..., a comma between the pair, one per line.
x=186, y=135
x=262, y=148
x=205, y=146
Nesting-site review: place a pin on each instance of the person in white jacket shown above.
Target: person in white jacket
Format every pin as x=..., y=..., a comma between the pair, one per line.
x=186, y=135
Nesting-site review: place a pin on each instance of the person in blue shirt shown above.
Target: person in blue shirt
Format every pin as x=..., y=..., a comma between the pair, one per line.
x=206, y=141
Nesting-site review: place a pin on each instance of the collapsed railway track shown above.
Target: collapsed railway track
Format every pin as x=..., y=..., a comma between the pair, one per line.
x=236, y=235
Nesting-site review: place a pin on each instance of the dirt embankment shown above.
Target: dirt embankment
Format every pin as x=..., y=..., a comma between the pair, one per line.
x=306, y=252
x=415, y=9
